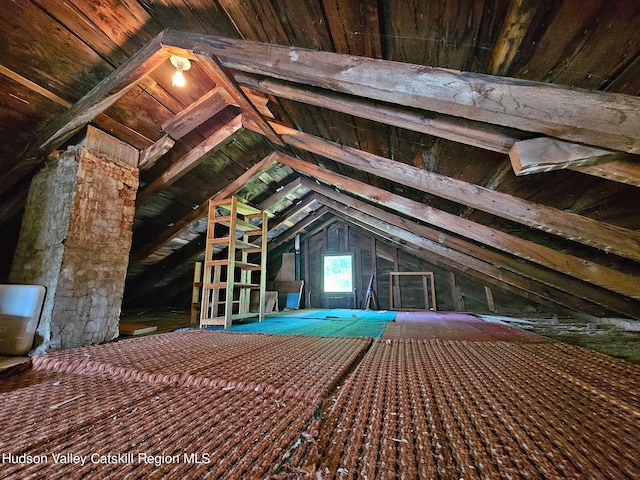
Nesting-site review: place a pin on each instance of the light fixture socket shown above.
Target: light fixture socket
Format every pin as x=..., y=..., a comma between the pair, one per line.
x=182, y=64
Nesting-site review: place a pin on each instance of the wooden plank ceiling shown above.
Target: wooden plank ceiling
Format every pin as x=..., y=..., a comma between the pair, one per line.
x=496, y=139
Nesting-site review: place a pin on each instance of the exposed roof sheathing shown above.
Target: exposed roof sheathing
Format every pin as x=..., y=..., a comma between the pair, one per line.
x=512, y=126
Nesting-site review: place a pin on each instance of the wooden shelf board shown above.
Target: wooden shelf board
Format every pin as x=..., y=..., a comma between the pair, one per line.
x=246, y=245
x=212, y=321
x=248, y=266
x=243, y=226
x=241, y=208
x=239, y=316
x=135, y=329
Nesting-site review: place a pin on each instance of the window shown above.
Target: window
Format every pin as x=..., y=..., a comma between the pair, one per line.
x=338, y=273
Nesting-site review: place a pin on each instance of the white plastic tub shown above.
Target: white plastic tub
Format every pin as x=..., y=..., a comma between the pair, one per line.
x=20, y=308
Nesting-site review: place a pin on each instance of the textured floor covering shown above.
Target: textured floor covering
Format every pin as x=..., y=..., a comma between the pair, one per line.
x=494, y=403
x=322, y=322
x=479, y=410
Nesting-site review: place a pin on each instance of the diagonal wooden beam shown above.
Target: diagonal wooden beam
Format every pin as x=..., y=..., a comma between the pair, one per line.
x=539, y=254
x=215, y=71
x=602, y=119
x=195, y=215
x=149, y=156
x=288, y=189
x=211, y=103
x=356, y=209
x=623, y=171
x=620, y=167
x=286, y=219
x=546, y=154
x=101, y=97
x=460, y=130
x=192, y=158
x=610, y=238
x=484, y=271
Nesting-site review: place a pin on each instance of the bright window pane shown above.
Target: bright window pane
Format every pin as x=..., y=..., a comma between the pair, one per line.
x=338, y=273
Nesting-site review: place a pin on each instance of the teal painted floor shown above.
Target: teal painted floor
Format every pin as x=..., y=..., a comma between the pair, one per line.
x=321, y=322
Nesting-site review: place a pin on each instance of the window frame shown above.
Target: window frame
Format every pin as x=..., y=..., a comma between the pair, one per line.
x=352, y=261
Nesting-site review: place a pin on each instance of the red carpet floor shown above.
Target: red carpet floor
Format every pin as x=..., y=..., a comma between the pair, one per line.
x=492, y=403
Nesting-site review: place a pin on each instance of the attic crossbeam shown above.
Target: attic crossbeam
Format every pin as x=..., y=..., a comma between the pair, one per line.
x=468, y=265
x=191, y=159
x=546, y=154
x=199, y=213
x=211, y=103
x=478, y=134
x=461, y=130
x=216, y=72
x=568, y=225
x=539, y=254
x=602, y=119
x=101, y=97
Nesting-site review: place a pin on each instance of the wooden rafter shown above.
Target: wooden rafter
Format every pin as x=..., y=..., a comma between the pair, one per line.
x=149, y=156
x=288, y=189
x=483, y=272
x=539, y=254
x=214, y=69
x=199, y=213
x=461, y=130
x=546, y=154
x=357, y=209
x=192, y=158
x=211, y=103
x=571, y=226
x=603, y=119
x=286, y=218
x=101, y=97
x=482, y=135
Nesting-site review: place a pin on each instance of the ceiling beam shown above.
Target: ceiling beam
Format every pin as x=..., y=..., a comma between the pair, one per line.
x=192, y=158
x=287, y=219
x=454, y=246
x=208, y=105
x=603, y=119
x=610, y=238
x=622, y=171
x=101, y=97
x=282, y=192
x=149, y=156
x=487, y=274
x=482, y=135
x=215, y=71
x=539, y=254
x=546, y=154
x=460, y=130
x=195, y=215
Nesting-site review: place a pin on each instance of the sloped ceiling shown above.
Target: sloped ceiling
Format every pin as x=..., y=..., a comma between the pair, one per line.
x=498, y=140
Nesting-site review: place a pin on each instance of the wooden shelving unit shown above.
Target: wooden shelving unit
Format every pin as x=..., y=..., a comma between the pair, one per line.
x=227, y=283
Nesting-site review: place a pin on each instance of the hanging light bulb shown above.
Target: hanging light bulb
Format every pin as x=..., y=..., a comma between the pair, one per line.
x=178, y=79
x=182, y=65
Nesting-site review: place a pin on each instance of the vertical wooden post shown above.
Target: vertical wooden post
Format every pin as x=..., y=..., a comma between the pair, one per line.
x=305, y=252
x=490, y=304
x=374, y=265
x=456, y=294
